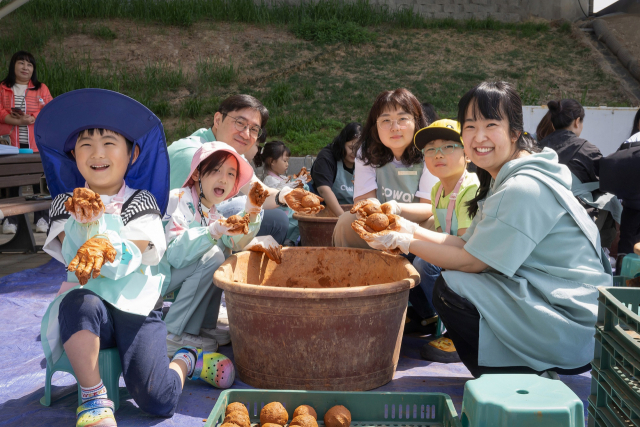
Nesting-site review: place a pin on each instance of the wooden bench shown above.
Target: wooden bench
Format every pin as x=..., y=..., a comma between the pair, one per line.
x=15, y=171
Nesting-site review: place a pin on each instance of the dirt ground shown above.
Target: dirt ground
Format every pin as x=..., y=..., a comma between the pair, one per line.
x=626, y=28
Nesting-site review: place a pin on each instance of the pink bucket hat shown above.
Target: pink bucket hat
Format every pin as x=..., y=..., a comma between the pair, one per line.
x=245, y=171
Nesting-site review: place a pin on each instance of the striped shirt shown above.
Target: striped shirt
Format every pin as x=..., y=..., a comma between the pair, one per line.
x=19, y=101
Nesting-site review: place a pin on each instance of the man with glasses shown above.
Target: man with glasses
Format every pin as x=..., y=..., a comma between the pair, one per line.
x=239, y=122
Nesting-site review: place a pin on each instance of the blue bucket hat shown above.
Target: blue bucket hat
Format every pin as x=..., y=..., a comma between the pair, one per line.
x=61, y=120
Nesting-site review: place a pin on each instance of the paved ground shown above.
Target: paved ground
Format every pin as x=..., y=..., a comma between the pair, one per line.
x=14, y=262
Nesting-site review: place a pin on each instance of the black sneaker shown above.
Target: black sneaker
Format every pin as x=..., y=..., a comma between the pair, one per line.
x=440, y=349
x=413, y=324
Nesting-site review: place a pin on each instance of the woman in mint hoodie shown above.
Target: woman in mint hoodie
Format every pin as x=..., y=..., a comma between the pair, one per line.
x=516, y=296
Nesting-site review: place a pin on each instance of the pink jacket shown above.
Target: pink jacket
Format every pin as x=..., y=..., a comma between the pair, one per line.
x=34, y=101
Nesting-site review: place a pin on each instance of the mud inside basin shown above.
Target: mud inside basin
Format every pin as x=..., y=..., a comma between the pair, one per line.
x=317, y=229
x=324, y=319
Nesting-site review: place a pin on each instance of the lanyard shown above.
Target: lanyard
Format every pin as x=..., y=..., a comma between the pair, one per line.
x=452, y=200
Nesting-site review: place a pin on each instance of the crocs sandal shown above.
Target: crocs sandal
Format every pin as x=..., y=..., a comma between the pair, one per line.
x=96, y=413
x=440, y=350
x=213, y=368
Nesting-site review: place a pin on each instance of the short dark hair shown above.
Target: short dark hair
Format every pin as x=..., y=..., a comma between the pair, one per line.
x=564, y=112
x=372, y=150
x=350, y=132
x=101, y=131
x=22, y=55
x=271, y=152
x=240, y=102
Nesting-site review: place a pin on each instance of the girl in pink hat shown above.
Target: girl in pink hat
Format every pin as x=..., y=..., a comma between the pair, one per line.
x=198, y=241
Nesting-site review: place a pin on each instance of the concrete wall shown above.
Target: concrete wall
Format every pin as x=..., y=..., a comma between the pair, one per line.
x=502, y=10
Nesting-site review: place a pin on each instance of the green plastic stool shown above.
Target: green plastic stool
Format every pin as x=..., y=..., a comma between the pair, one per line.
x=520, y=400
x=630, y=266
x=110, y=370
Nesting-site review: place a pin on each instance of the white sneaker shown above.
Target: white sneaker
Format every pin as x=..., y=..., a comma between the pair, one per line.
x=42, y=226
x=222, y=336
x=175, y=342
x=8, y=228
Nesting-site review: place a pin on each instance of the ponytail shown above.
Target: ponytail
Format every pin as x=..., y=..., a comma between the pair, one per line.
x=564, y=112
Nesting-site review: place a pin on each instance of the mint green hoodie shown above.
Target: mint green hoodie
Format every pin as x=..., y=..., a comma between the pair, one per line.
x=538, y=298
x=181, y=152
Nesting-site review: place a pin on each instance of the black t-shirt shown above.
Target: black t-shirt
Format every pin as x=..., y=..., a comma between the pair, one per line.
x=325, y=168
x=579, y=155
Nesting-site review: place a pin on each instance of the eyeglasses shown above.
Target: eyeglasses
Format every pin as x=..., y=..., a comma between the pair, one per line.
x=445, y=149
x=241, y=124
x=402, y=123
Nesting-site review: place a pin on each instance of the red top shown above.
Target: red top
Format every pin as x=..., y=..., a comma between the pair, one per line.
x=34, y=101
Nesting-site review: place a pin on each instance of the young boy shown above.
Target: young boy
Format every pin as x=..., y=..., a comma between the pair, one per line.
x=105, y=159
x=444, y=156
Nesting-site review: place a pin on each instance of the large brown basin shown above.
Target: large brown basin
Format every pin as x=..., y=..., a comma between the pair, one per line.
x=324, y=319
x=317, y=229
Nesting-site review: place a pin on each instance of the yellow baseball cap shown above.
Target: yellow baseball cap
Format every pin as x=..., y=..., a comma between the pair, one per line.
x=446, y=129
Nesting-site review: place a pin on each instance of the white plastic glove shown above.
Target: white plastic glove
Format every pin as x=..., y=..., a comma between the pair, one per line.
x=389, y=241
x=219, y=228
x=391, y=207
x=256, y=198
x=85, y=206
x=266, y=245
x=406, y=226
x=284, y=192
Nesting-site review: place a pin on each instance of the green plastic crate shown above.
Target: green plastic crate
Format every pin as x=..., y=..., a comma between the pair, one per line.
x=615, y=378
x=368, y=409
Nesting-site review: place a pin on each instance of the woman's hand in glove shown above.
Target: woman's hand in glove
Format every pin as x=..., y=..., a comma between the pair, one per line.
x=91, y=256
x=256, y=198
x=301, y=200
x=386, y=240
x=268, y=246
x=85, y=206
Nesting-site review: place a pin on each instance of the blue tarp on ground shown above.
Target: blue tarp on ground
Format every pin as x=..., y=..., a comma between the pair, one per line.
x=24, y=298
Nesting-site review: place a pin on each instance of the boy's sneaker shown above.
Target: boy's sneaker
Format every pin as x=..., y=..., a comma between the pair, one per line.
x=222, y=336
x=8, y=228
x=175, y=342
x=96, y=413
x=42, y=226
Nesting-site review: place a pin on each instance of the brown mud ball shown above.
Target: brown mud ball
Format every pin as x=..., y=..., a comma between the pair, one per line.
x=239, y=418
x=305, y=410
x=309, y=201
x=304, y=421
x=377, y=221
x=338, y=416
x=270, y=425
x=236, y=406
x=229, y=425
x=274, y=413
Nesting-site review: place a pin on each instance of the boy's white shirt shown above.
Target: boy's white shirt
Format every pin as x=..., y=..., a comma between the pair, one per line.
x=364, y=179
x=146, y=227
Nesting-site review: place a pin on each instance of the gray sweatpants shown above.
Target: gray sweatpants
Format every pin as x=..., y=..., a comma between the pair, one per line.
x=198, y=302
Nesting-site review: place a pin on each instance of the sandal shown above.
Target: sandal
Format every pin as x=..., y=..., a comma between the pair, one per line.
x=214, y=368
x=96, y=413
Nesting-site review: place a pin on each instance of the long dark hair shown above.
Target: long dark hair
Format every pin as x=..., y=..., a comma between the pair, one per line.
x=430, y=113
x=271, y=152
x=545, y=127
x=636, y=124
x=348, y=133
x=373, y=151
x=495, y=101
x=564, y=112
x=10, y=80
